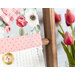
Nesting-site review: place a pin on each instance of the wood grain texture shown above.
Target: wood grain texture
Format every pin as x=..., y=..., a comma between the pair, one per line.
x=49, y=28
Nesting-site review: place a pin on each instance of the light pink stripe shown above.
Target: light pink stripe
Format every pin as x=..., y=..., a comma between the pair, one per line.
x=14, y=44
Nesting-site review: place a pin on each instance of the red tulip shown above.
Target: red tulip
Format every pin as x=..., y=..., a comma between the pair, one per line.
x=68, y=40
x=57, y=18
x=70, y=18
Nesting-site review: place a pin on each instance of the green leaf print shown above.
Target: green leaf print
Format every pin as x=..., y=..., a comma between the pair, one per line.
x=38, y=26
x=21, y=31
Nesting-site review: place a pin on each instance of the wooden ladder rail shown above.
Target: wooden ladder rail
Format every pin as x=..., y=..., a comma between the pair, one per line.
x=49, y=28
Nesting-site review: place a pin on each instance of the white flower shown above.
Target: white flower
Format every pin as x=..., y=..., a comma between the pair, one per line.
x=32, y=18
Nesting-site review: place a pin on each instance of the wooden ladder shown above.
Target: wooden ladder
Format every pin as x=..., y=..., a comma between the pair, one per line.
x=50, y=34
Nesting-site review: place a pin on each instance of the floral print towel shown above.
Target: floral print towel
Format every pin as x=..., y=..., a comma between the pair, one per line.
x=24, y=24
